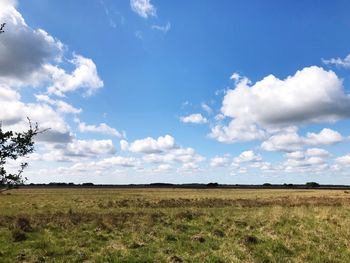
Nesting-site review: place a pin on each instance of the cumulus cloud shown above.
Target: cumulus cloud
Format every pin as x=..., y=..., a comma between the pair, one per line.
x=325, y=137
x=24, y=51
x=74, y=151
x=77, y=150
x=32, y=57
x=89, y=147
x=219, y=161
x=162, y=168
x=314, y=164
x=84, y=77
x=149, y=145
x=311, y=160
x=343, y=160
x=312, y=152
x=102, y=128
x=345, y=62
x=317, y=152
x=289, y=140
x=196, y=118
x=143, y=8
x=248, y=156
x=237, y=130
x=14, y=113
x=163, y=151
x=311, y=95
x=264, y=166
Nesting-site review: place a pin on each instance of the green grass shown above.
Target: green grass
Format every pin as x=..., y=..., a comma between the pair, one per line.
x=174, y=225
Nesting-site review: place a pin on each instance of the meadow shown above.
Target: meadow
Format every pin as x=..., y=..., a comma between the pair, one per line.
x=174, y=225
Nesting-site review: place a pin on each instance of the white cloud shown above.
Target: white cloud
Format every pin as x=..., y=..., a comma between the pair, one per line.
x=310, y=161
x=196, y=118
x=14, y=113
x=237, y=130
x=343, y=160
x=32, y=57
x=297, y=155
x=24, y=51
x=288, y=140
x=143, y=8
x=302, y=165
x=163, y=168
x=178, y=155
x=247, y=156
x=264, y=166
x=325, y=137
x=219, y=161
x=89, y=147
x=74, y=151
x=163, y=29
x=345, y=62
x=118, y=160
x=311, y=95
x=61, y=106
x=312, y=164
x=163, y=151
x=188, y=167
x=84, y=76
x=102, y=128
x=149, y=145
x=317, y=152
x=235, y=76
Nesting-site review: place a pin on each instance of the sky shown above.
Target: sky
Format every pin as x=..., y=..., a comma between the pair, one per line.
x=195, y=91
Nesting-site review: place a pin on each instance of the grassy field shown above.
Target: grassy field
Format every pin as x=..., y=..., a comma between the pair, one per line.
x=174, y=225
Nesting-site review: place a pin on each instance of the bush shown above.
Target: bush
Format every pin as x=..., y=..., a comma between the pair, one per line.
x=18, y=235
x=23, y=224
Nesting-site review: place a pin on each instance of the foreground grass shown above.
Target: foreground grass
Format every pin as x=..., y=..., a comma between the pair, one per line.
x=174, y=225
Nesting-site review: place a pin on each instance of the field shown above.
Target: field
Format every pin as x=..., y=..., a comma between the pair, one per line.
x=174, y=225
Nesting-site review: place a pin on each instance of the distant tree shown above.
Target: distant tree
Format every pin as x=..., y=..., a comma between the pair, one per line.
x=312, y=184
x=12, y=146
x=212, y=185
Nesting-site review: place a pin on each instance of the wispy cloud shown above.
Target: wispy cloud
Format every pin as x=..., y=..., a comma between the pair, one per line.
x=110, y=19
x=138, y=34
x=206, y=108
x=164, y=28
x=345, y=62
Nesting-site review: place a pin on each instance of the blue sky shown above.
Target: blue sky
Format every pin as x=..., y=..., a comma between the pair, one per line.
x=180, y=91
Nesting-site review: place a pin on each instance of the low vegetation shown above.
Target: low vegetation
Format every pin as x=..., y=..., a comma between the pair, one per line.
x=174, y=225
